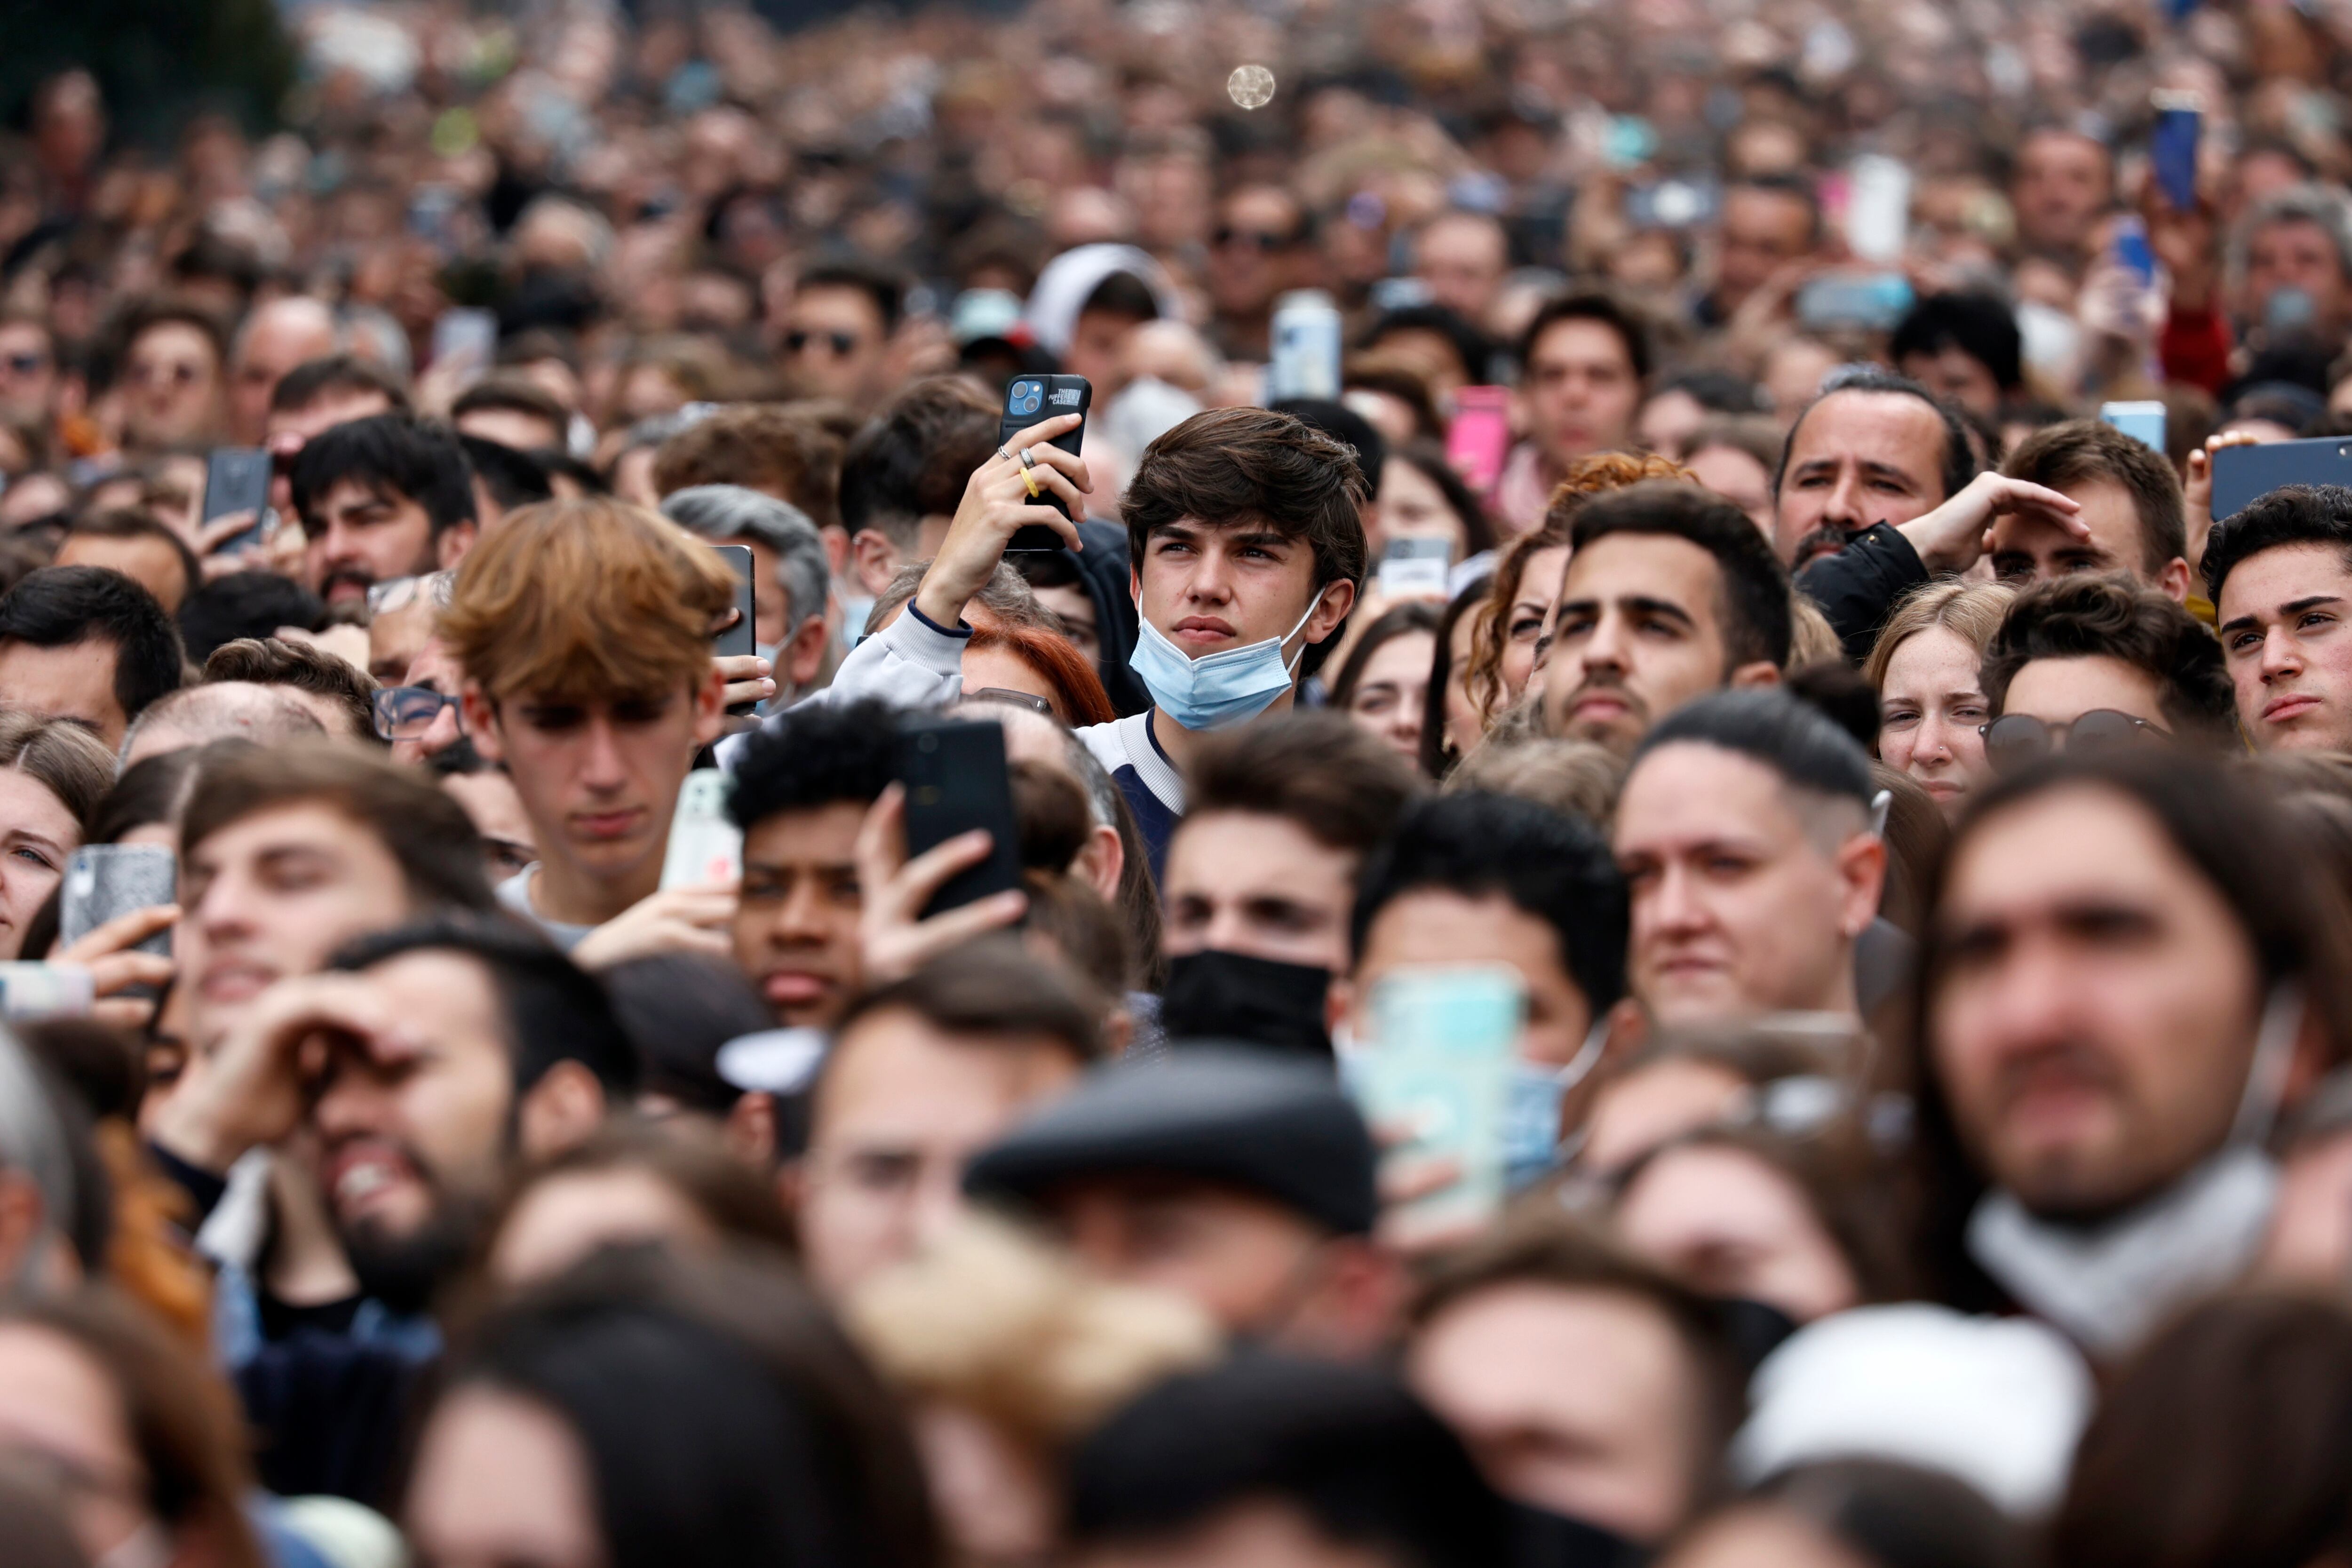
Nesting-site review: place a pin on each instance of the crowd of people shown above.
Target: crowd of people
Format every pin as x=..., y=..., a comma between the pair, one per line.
x=1695, y=915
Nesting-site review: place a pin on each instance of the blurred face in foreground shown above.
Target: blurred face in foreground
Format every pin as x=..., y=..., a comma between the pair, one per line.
x=795, y=927
x=2093, y=1006
x=1255, y=883
x=1575, y=1400
x=901, y=1108
x=501, y=1479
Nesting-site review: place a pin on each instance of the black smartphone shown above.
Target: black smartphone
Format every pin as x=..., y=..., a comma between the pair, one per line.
x=1029, y=399
x=2243, y=475
x=955, y=778
x=236, y=478
x=741, y=635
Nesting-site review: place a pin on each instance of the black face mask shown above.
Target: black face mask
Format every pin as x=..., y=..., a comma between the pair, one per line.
x=1258, y=1000
x=1541, y=1539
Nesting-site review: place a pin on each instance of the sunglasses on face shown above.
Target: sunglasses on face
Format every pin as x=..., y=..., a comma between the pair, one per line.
x=1256, y=239
x=2014, y=739
x=842, y=343
x=407, y=712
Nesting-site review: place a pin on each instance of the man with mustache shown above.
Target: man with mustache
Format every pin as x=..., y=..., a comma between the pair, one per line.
x=384, y=496
x=2127, y=977
x=1878, y=491
x=1670, y=593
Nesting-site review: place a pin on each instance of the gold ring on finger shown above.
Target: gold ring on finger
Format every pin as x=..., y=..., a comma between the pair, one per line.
x=1031, y=480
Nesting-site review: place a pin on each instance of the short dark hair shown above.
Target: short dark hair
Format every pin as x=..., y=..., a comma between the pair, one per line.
x=273, y=661
x=129, y=522
x=2068, y=453
x=1227, y=464
x=2292, y=514
x=1558, y=868
x=814, y=756
x=1957, y=464
x=396, y=452
x=512, y=394
x=2085, y=615
x=555, y=1011
x=246, y=605
x=992, y=986
x=513, y=476
x=1350, y=1446
x=886, y=289
x=1793, y=186
x=1347, y=428
x=57, y=607
x=1316, y=769
x=423, y=827
x=1122, y=293
x=1470, y=345
x=1980, y=326
x=1753, y=598
x=1598, y=308
x=146, y=315
x=314, y=380
x=915, y=459
x=1809, y=750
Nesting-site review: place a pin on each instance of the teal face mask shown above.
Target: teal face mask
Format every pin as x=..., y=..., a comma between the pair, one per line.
x=1217, y=688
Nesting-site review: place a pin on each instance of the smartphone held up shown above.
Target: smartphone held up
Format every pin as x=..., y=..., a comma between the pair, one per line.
x=1030, y=401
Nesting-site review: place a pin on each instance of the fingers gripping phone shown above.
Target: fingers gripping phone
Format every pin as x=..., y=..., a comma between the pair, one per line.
x=236, y=478
x=1029, y=400
x=954, y=775
x=740, y=636
x=104, y=881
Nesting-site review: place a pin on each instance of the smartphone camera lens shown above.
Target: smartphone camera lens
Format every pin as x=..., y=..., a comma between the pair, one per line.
x=1028, y=396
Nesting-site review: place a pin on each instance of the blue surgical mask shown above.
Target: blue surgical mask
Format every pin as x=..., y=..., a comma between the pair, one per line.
x=1219, y=689
x=1531, y=1143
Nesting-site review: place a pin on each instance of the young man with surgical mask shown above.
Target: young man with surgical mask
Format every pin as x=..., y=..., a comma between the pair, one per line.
x=1245, y=529
x=2127, y=977
x=1261, y=873
x=1480, y=880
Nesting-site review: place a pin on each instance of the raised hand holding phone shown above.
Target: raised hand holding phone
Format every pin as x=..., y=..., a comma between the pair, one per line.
x=1000, y=500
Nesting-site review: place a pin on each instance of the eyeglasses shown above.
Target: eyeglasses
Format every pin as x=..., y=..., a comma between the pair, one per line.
x=842, y=343
x=1257, y=238
x=399, y=592
x=2014, y=739
x=407, y=712
x=1028, y=699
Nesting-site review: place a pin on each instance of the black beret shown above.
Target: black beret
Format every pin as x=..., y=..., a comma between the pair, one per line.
x=1276, y=1126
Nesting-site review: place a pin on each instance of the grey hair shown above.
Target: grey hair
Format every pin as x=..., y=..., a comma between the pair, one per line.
x=33, y=1141
x=721, y=513
x=2312, y=203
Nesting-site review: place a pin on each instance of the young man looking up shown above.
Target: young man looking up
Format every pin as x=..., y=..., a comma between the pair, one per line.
x=2280, y=573
x=583, y=628
x=1670, y=591
x=384, y=496
x=1246, y=532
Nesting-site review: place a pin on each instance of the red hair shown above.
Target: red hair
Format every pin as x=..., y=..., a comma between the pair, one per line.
x=1077, y=689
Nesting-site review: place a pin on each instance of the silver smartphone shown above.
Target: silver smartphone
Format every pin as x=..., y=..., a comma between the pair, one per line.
x=104, y=881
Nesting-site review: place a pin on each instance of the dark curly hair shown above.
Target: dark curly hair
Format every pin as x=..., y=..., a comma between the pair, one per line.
x=2085, y=617
x=813, y=756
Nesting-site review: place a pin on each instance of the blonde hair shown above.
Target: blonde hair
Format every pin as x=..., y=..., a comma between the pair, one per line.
x=1972, y=610
x=1575, y=778
x=586, y=598
x=996, y=1321
x=1811, y=639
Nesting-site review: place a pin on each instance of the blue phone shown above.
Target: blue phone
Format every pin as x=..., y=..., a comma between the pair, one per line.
x=2142, y=420
x=2132, y=252
x=2172, y=152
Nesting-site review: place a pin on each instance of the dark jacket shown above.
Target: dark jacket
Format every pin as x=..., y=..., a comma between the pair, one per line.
x=1859, y=586
x=1102, y=567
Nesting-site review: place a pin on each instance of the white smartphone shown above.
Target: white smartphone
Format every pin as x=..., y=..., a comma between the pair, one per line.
x=1878, y=209
x=1414, y=568
x=704, y=845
